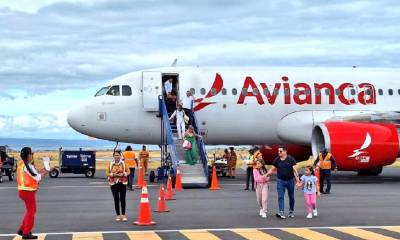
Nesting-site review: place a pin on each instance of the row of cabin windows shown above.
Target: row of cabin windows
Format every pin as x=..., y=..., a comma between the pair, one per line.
x=286, y=92
x=115, y=91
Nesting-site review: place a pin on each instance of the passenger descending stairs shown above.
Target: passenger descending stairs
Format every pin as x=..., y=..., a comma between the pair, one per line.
x=192, y=175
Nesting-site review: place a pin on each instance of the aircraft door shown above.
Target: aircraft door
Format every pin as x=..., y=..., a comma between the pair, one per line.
x=151, y=83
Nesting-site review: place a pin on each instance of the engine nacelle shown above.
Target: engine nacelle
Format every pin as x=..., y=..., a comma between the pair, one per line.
x=300, y=153
x=357, y=145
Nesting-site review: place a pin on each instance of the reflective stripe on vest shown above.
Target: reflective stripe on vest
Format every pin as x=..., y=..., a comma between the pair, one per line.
x=325, y=163
x=24, y=180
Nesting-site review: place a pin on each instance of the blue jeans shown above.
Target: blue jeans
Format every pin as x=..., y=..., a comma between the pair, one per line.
x=281, y=185
x=325, y=175
x=131, y=178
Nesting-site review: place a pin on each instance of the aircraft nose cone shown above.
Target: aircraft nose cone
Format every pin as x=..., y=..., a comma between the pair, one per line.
x=74, y=119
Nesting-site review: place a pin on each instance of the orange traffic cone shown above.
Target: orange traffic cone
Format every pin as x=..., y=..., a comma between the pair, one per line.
x=178, y=181
x=214, y=180
x=162, y=207
x=317, y=173
x=144, y=218
x=170, y=193
x=140, y=179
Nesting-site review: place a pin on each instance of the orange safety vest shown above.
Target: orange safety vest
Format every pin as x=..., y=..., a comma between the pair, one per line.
x=325, y=163
x=25, y=181
x=143, y=156
x=129, y=157
x=117, y=168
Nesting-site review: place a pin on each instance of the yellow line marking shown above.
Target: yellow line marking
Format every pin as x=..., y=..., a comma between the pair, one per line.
x=87, y=236
x=143, y=235
x=254, y=234
x=199, y=235
x=40, y=237
x=364, y=234
x=393, y=229
x=308, y=234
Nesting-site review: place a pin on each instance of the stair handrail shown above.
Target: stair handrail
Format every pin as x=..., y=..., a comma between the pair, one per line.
x=200, y=144
x=170, y=140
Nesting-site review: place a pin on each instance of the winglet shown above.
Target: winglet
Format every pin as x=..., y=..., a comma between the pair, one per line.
x=174, y=62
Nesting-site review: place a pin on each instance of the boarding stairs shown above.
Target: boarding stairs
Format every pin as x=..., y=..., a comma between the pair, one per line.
x=192, y=175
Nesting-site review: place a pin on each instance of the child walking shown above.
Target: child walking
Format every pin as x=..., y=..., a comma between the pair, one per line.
x=309, y=183
x=261, y=180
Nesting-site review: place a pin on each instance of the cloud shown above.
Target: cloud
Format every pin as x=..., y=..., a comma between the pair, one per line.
x=49, y=46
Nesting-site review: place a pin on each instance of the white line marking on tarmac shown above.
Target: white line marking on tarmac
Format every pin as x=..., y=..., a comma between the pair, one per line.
x=98, y=183
x=202, y=230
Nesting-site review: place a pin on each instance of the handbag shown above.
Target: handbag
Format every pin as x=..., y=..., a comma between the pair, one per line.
x=187, y=145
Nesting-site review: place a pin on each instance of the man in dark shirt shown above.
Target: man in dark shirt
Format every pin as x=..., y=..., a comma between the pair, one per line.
x=286, y=168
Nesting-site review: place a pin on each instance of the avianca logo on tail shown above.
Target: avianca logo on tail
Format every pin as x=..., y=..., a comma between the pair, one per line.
x=298, y=93
x=365, y=145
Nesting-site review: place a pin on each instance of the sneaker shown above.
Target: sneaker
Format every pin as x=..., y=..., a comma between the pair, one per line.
x=29, y=236
x=280, y=215
x=315, y=212
x=20, y=232
x=309, y=216
x=261, y=212
x=263, y=215
x=124, y=218
x=291, y=214
x=117, y=218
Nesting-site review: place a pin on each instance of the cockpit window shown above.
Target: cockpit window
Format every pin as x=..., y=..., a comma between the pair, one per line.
x=102, y=91
x=126, y=90
x=114, y=91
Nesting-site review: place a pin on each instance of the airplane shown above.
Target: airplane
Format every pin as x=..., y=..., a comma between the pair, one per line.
x=353, y=112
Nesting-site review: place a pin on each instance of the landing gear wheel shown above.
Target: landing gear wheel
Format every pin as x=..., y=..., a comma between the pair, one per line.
x=152, y=176
x=370, y=172
x=89, y=173
x=54, y=173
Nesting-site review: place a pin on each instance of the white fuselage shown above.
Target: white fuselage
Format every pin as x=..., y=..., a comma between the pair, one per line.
x=241, y=119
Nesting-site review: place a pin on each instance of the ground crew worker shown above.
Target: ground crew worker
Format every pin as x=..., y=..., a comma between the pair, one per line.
x=144, y=156
x=232, y=163
x=130, y=162
x=249, y=170
x=28, y=179
x=117, y=174
x=326, y=163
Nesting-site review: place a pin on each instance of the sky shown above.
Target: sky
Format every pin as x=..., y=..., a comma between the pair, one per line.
x=54, y=54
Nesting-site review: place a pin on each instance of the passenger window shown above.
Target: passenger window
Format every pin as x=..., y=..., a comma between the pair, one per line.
x=224, y=91
x=234, y=91
x=353, y=91
x=114, y=91
x=307, y=92
x=390, y=91
x=276, y=92
x=369, y=93
x=327, y=91
x=287, y=92
x=337, y=91
x=398, y=91
x=203, y=91
x=126, y=90
x=193, y=91
x=213, y=91
x=102, y=91
x=317, y=92
x=296, y=92
x=380, y=92
x=244, y=91
x=256, y=92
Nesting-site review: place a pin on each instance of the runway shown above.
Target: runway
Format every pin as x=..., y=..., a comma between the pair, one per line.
x=71, y=204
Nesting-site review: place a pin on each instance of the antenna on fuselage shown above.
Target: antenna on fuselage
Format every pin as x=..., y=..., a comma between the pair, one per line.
x=174, y=62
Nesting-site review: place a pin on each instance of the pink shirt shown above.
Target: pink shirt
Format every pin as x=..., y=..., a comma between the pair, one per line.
x=258, y=178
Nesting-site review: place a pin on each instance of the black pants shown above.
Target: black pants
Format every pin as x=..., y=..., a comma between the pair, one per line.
x=325, y=175
x=188, y=113
x=131, y=178
x=249, y=174
x=119, y=193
